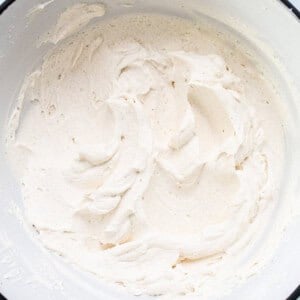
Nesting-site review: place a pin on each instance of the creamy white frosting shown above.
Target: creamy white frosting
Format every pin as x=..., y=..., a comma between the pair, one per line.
x=144, y=156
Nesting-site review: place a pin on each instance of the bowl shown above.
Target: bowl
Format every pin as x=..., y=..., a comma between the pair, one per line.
x=27, y=270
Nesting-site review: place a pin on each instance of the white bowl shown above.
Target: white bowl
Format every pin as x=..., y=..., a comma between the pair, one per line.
x=27, y=270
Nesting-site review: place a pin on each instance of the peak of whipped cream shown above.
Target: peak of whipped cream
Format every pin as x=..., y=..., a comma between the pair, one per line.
x=147, y=154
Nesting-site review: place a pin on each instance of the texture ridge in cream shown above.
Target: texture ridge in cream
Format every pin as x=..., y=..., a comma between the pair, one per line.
x=149, y=154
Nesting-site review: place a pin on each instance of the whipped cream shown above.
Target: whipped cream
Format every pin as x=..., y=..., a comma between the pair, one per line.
x=148, y=153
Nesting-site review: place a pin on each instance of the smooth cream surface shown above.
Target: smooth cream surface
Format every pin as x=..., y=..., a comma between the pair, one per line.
x=149, y=152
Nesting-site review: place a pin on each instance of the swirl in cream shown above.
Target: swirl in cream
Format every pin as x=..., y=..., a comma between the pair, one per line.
x=144, y=163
